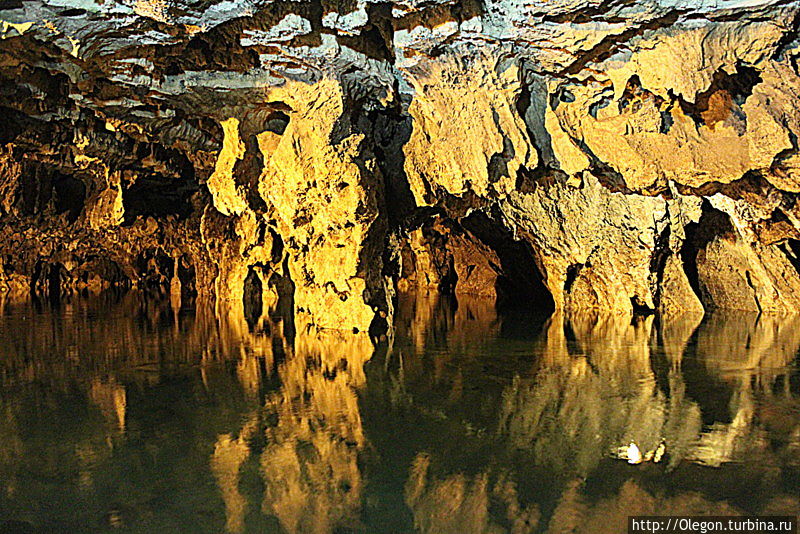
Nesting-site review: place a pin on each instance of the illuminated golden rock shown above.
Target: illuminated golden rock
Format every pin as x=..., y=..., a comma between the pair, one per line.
x=573, y=152
x=228, y=199
x=325, y=194
x=457, y=100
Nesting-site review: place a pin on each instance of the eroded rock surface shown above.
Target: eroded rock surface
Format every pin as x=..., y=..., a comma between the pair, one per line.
x=571, y=155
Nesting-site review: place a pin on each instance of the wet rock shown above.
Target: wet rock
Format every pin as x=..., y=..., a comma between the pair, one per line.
x=329, y=155
x=459, y=98
x=325, y=190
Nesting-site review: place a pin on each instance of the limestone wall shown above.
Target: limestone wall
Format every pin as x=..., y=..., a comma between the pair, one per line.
x=623, y=157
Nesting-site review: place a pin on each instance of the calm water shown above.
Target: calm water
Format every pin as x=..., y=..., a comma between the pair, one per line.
x=135, y=415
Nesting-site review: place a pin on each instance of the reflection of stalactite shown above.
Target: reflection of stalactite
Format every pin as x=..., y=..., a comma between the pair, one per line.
x=752, y=341
x=102, y=350
x=310, y=465
x=759, y=350
x=587, y=400
x=459, y=504
x=435, y=320
x=598, y=382
x=110, y=397
x=610, y=515
x=229, y=455
x=98, y=337
x=604, y=393
x=11, y=450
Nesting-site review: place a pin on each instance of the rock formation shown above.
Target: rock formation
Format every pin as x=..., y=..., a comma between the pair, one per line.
x=624, y=157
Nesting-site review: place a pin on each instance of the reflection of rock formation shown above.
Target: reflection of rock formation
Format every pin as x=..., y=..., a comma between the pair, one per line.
x=229, y=454
x=575, y=513
x=11, y=448
x=137, y=335
x=460, y=504
x=733, y=343
x=600, y=391
x=435, y=321
x=486, y=423
x=111, y=399
x=310, y=465
x=593, y=395
x=751, y=355
x=718, y=392
x=98, y=367
x=94, y=350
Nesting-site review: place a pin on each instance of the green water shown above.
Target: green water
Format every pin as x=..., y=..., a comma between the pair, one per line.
x=126, y=414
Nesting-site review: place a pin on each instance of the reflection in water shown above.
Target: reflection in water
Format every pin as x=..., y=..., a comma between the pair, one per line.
x=459, y=504
x=229, y=455
x=547, y=411
x=146, y=416
x=310, y=464
x=110, y=398
x=596, y=394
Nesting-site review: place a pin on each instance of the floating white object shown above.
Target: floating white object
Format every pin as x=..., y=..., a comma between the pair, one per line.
x=634, y=454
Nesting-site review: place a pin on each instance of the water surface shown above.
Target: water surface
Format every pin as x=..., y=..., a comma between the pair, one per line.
x=129, y=414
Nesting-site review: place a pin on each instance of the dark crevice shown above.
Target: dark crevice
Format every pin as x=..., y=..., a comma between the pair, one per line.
x=666, y=121
x=609, y=45
x=73, y=12
x=608, y=177
x=157, y=197
x=635, y=96
x=276, y=253
x=788, y=38
x=520, y=283
x=640, y=307
x=595, y=107
x=48, y=279
x=791, y=249
x=724, y=98
x=160, y=182
x=712, y=224
x=43, y=190
x=561, y=94
x=525, y=176
x=449, y=278
x=589, y=13
x=154, y=269
x=434, y=15
x=498, y=163
x=748, y=278
x=658, y=261
x=390, y=130
x=247, y=171
x=277, y=121
x=70, y=195
x=252, y=297
x=752, y=183
x=376, y=39
x=187, y=275
x=15, y=122
x=284, y=310
x=572, y=274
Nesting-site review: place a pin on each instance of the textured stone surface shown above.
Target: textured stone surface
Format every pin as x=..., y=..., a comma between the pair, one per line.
x=572, y=155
